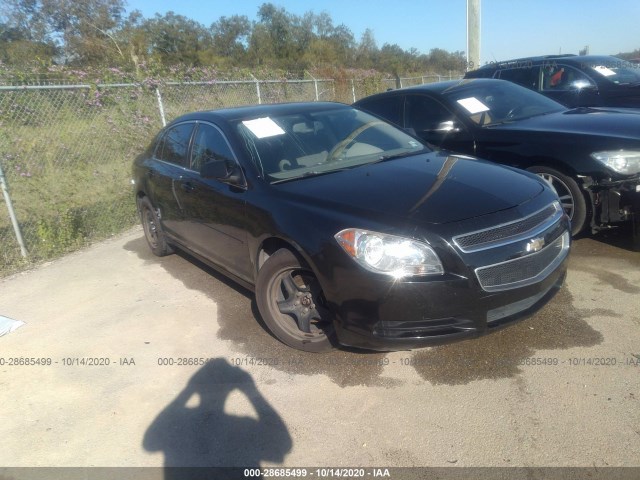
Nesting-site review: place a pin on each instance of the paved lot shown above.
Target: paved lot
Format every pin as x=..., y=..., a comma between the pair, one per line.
x=560, y=389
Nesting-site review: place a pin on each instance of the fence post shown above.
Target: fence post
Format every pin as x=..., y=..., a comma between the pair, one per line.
x=161, y=107
x=257, y=89
x=12, y=213
x=315, y=84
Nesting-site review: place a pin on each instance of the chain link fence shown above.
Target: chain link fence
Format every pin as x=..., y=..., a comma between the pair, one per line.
x=66, y=151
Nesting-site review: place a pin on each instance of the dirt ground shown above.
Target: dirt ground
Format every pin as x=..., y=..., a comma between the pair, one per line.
x=133, y=360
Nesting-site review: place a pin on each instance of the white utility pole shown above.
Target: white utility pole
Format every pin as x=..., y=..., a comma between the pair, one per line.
x=473, y=34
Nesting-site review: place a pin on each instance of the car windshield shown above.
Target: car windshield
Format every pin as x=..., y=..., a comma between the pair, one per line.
x=493, y=102
x=617, y=71
x=288, y=147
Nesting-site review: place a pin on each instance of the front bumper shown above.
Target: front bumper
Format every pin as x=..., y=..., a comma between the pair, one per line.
x=415, y=315
x=497, y=274
x=616, y=201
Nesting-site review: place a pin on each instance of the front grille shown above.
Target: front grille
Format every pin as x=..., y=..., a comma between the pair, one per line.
x=524, y=270
x=509, y=232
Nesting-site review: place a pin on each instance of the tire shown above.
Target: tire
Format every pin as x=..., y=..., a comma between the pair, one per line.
x=156, y=239
x=571, y=197
x=284, y=289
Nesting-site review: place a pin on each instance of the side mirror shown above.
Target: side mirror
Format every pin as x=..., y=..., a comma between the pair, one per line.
x=221, y=169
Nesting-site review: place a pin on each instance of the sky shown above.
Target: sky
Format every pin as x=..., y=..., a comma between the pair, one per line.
x=509, y=28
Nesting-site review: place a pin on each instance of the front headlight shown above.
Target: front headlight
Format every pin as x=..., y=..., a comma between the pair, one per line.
x=626, y=162
x=389, y=254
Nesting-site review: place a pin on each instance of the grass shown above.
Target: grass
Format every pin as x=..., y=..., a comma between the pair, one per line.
x=67, y=154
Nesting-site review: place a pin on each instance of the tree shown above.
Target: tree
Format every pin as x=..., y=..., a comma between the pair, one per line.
x=175, y=39
x=231, y=36
x=85, y=28
x=17, y=48
x=83, y=31
x=392, y=59
x=367, y=50
x=274, y=34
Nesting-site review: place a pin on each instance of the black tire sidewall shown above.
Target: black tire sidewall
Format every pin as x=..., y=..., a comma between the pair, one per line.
x=162, y=248
x=278, y=263
x=579, y=220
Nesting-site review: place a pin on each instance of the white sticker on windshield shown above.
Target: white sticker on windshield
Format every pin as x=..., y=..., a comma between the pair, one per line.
x=263, y=127
x=473, y=105
x=607, y=72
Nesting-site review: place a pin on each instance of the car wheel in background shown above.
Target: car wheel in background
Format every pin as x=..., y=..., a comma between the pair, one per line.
x=152, y=229
x=571, y=197
x=292, y=304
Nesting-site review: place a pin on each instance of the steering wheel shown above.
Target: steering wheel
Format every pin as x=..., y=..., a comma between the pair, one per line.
x=343, y=145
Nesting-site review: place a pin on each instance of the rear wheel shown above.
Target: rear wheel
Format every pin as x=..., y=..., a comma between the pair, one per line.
x=571, y=197
x=292, y=304
x=156, y=238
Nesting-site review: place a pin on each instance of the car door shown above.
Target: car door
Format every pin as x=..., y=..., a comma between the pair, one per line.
x=436, y=124
x=169, y=162
x=568, y=85
x=213, y=211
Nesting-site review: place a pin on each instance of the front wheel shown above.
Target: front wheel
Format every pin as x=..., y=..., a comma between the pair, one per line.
x=571, y=197
x=292, y=304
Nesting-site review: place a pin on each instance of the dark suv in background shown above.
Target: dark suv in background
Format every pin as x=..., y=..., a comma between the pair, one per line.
x=574, y=81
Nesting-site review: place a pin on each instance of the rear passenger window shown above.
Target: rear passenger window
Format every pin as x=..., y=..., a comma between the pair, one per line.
x=174, y=145
x=527, y=76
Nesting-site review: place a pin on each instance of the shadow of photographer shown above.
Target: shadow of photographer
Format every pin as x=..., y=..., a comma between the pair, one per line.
x=194, y=431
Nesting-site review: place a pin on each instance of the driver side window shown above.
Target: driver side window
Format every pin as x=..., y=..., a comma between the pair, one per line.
x=563, y=77
x=425, y=114
x=209, y=144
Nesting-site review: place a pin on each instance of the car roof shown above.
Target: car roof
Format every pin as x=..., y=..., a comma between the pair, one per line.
x=256, y=111
x=569, y=58
x=436, y=88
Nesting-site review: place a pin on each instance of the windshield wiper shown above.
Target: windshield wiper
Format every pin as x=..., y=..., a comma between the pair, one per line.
x=306, y=175
x=384, y=158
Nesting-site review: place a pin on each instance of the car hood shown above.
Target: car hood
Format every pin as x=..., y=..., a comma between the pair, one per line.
x=583, y=121
x=429, y=188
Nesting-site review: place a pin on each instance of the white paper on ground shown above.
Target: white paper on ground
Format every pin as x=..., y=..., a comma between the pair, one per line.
x=7, y=325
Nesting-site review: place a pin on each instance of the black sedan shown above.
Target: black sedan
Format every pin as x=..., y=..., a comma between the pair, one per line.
x=590, y=156
x=349, y=230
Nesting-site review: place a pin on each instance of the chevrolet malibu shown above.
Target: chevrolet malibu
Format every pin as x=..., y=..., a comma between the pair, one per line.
x=349, y=230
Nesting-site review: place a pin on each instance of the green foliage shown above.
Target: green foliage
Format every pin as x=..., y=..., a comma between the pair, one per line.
x=67, y=155
x=95, y=33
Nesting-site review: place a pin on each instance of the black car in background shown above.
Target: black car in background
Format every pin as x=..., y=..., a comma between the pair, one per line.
x=590, y=156
x=349, y=230
x=574, y=81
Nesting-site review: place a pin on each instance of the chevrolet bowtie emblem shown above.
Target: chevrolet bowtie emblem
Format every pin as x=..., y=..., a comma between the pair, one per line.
x=535, y=245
